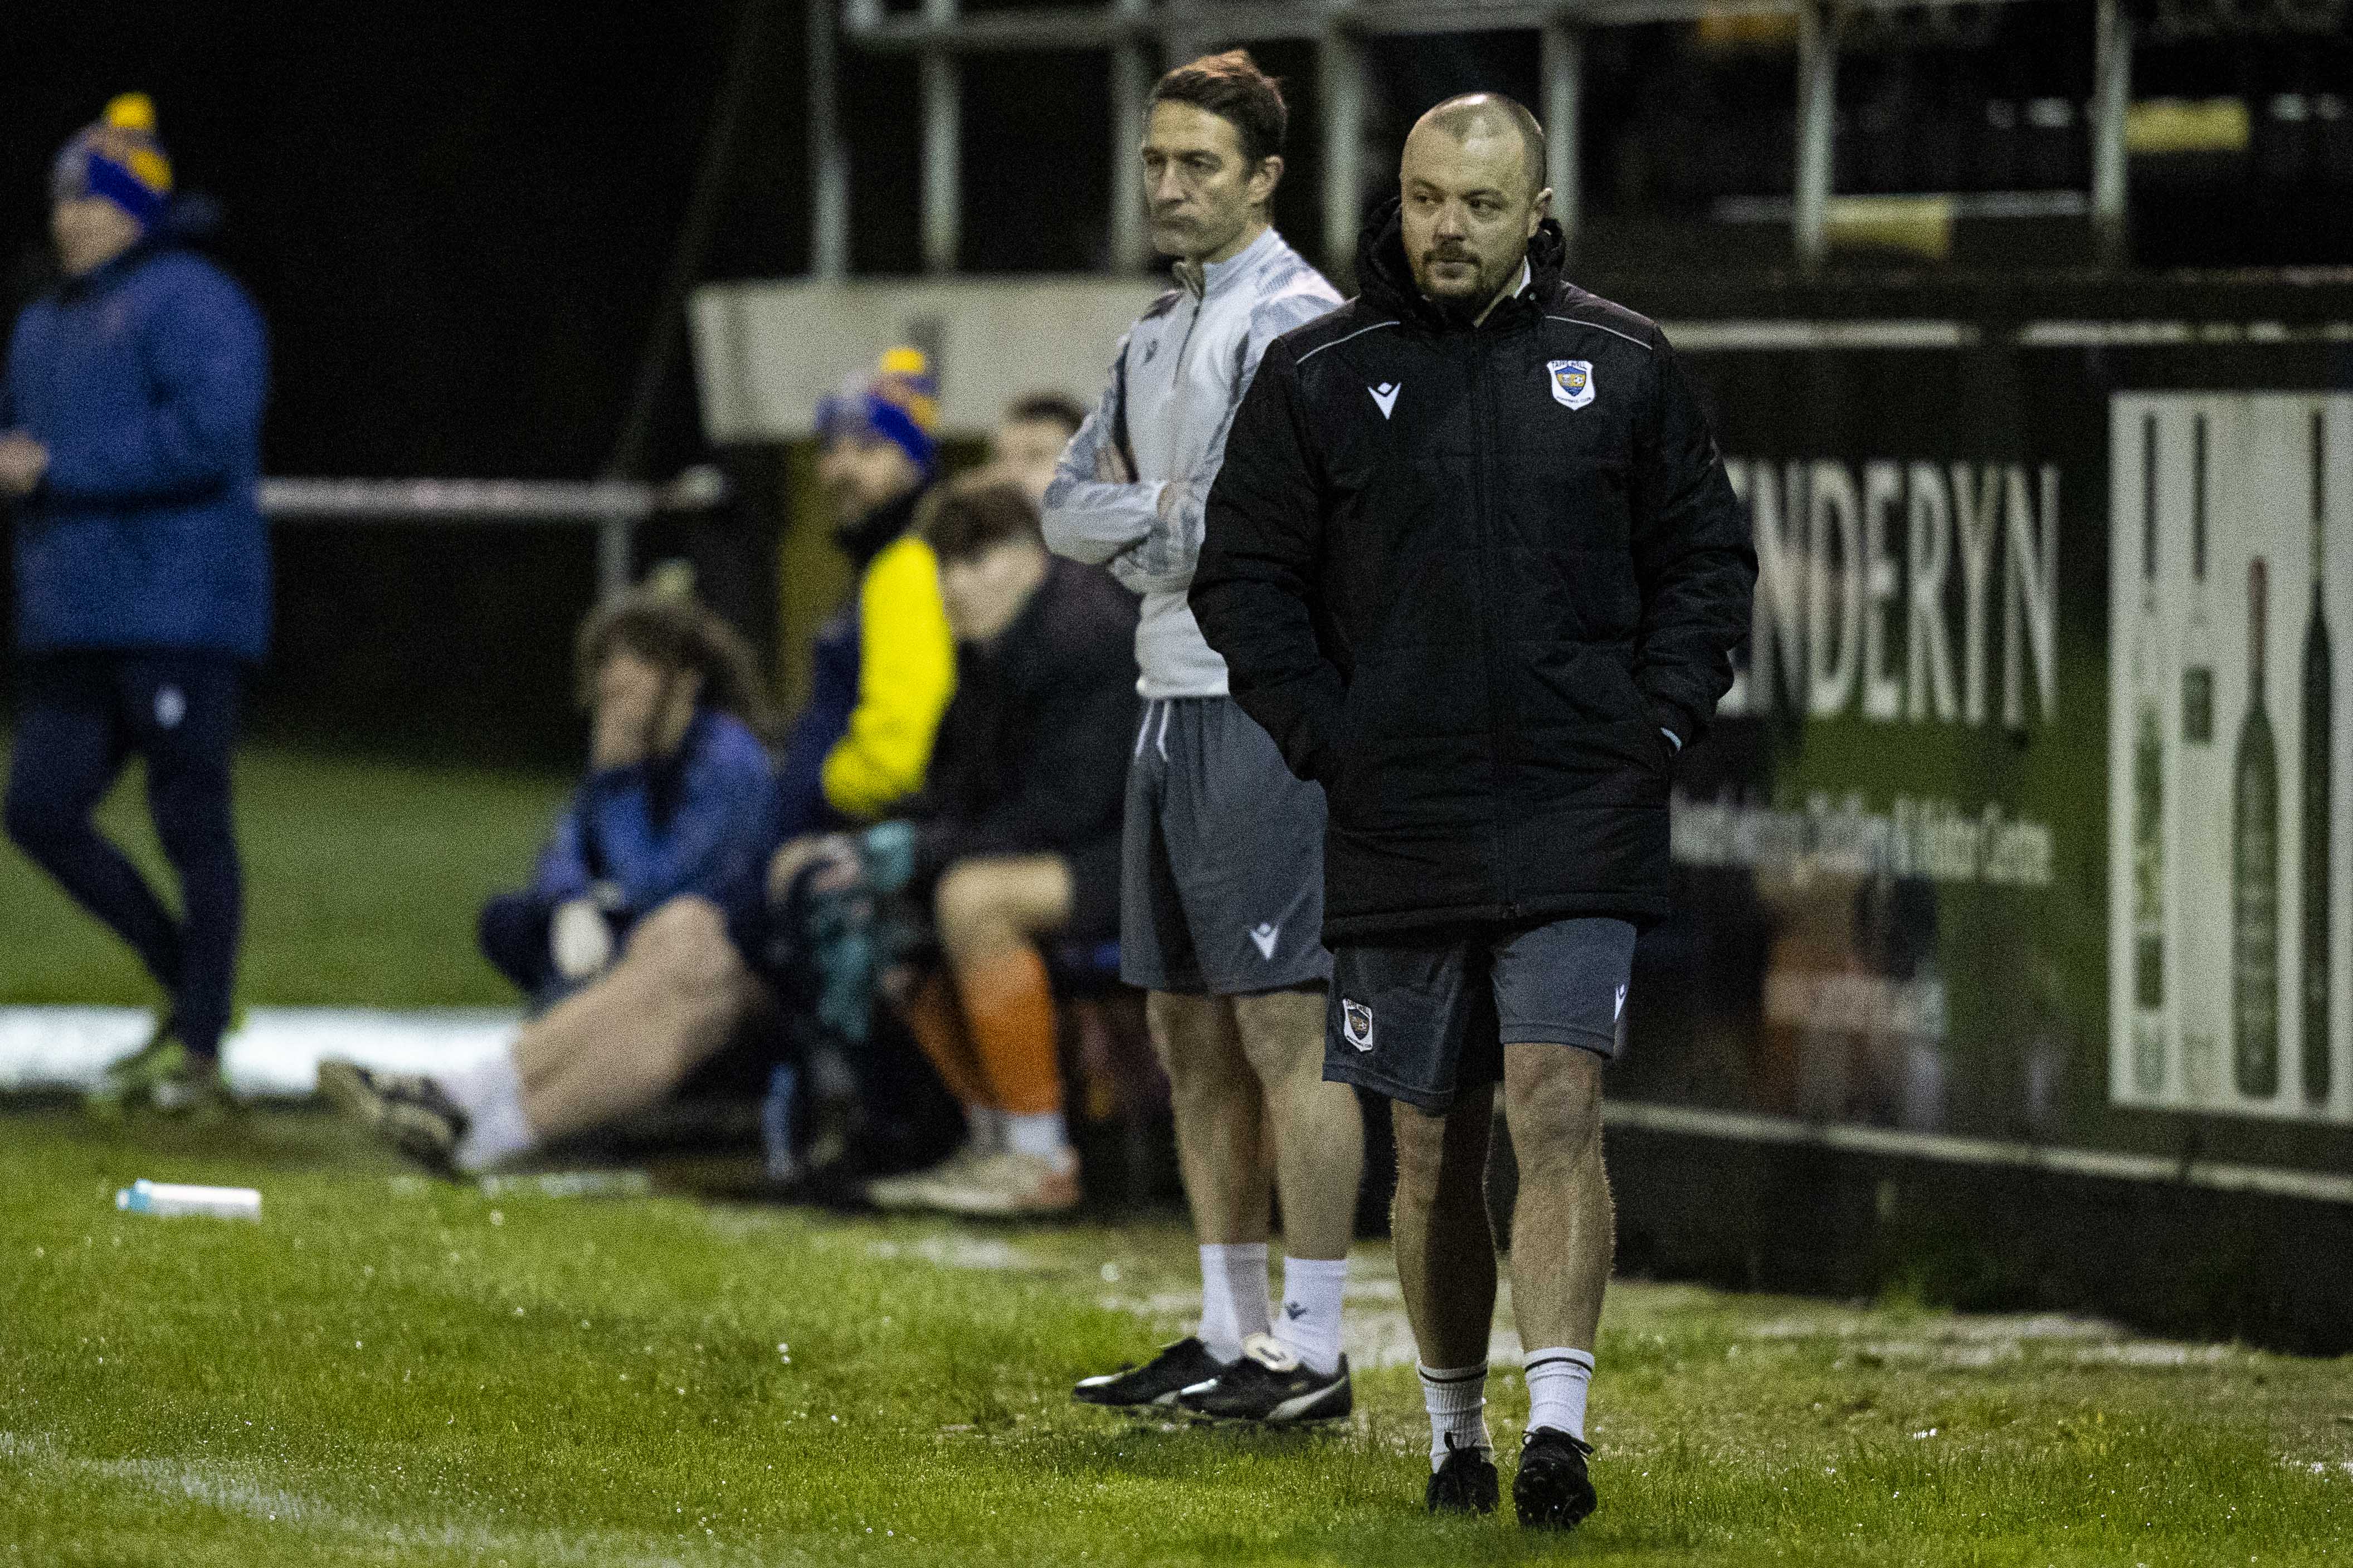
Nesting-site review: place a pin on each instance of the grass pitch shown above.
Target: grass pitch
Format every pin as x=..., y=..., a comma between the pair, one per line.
x=390, y=1370
x=362, y=878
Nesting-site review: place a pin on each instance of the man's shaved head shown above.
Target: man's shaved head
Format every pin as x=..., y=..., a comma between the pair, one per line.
x=1477, y=114
x=1472, y=195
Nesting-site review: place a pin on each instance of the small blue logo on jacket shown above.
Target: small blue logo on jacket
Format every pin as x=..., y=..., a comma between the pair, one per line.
x=1572, y=381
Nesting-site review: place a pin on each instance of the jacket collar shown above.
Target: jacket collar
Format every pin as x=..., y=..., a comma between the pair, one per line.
x=864, y=540
x=1386, y=282
x=191, y=220
x=1204, y=281
x=100, y=278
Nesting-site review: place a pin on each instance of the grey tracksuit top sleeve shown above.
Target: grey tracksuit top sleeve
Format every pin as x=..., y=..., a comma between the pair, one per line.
x=1178, y=376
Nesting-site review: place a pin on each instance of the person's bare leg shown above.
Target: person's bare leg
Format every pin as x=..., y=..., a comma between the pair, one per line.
x=677, y=994
x=988, y=911
x=1563, y=1229
x=1563, y=1238
x=1445, y=1251
x=1318, y=1128
x=1225, y=1151
x=996, y=905
x=1446, y=1264
x=1222, y=1151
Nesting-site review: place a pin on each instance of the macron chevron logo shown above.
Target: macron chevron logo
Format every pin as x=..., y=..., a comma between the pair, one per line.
x=1384, y=396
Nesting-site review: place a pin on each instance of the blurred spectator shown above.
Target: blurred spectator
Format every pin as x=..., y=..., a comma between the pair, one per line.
x=645, y=906
x=1029, y=439
x=883, y=668
x=1017, y=838
x=680, y=797
x=130, y=439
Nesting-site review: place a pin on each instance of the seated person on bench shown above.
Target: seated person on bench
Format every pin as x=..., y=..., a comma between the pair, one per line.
x=635, y=927
x=679, y=793
x=1017, y=838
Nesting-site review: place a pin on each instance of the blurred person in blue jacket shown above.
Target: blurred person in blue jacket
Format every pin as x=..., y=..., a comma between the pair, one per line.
x=680, y=797
x=638, y=929
x=130, y=441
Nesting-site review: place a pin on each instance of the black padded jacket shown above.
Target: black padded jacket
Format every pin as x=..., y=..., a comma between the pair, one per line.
x=1465, y=578
x=1032, y=757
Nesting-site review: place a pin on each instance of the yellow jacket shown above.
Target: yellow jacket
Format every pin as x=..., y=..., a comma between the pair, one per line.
x=906, y=673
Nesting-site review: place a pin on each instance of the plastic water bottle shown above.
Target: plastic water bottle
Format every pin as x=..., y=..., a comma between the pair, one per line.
x=171, y=1198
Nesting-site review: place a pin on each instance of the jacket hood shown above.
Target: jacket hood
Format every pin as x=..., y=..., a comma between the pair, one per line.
x=1386, y=278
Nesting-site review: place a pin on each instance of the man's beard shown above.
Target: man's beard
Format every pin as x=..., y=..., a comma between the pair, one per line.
x=1470, y=301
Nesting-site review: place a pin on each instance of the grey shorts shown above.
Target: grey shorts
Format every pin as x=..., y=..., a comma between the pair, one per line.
x=1424, y=1021
x=1221, y=877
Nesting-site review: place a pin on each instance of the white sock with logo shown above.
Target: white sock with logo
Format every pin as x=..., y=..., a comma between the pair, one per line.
x=1310, y=1325
x=1233, y=1296
x=491, y=1095
x=1456, y=1398
x=1557, y=1381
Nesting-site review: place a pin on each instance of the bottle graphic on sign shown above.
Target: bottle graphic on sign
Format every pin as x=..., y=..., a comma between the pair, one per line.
x=2201, y=969
x=2149, y=1020
x=2254, y=875
x=2319, y=736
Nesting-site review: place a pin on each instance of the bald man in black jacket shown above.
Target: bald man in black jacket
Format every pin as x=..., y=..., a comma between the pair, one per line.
x=1475, y=564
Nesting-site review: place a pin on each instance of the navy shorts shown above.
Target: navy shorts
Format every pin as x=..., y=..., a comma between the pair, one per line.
x=1424, y=1021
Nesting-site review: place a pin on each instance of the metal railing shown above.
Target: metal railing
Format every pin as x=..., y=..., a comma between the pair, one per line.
x=614, y=508
x=939, y=34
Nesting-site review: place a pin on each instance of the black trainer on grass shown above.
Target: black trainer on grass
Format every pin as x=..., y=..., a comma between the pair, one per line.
x=408, y=1111
x=1156, y=1383
x=1465, y=1483
x=1272, y=1386
x=1552, y=1491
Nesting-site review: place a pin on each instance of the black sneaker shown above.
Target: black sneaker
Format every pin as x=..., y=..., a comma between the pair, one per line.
x=408, y=1111
x=1465, y=1483
x=1156, y=1382
x=1270, y=1384
x=1552, y=1491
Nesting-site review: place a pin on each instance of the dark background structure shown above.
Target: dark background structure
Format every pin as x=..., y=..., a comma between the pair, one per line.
x=459, y=217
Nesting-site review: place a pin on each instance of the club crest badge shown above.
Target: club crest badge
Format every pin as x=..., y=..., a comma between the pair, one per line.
x=1357, y=1024
x=1572, y=381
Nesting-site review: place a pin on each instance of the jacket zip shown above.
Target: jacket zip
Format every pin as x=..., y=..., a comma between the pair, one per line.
x=1488, y=595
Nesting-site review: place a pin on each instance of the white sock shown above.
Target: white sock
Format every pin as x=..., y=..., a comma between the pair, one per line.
x=1044, y=1134
x=1557, y=1380
x=1310, y=1325
x=1456, y=1398
x=491, y=1097
x=1233, y=1296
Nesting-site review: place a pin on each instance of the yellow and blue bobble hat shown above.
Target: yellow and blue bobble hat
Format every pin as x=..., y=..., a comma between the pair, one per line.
x=900, y=403
x=119, y=159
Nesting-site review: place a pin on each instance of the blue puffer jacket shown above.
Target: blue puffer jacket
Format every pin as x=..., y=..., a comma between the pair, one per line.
x=145, y=380
x=704, y=822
